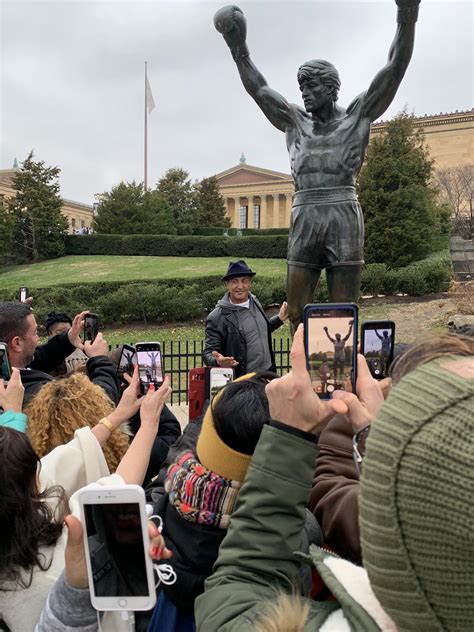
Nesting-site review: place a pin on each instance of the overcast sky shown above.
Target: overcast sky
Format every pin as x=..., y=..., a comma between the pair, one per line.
x=72, y=79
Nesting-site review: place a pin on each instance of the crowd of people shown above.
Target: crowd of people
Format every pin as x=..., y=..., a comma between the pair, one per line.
x=279, y=511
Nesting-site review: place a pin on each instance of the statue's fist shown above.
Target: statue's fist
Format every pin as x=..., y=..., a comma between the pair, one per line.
x=407, y=4
x=230, y=21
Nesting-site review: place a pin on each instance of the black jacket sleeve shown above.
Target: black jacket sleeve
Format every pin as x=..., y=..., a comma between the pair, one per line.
x=102, y=371
x=214, y=340
x=275, y=322
x=50, y=355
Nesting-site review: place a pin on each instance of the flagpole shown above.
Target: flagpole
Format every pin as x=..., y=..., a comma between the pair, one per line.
x=145, y=179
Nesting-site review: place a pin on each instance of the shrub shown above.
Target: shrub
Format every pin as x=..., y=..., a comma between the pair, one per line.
x=391, y=283
x=373, y=276
x=412, y=281
x=259, y=246
x=233, y=232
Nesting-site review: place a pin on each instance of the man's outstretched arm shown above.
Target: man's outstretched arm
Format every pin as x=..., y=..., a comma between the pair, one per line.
x=385, y=85
x=378, y=335
x=346, y=337
x=230, y=21
x=333, y=340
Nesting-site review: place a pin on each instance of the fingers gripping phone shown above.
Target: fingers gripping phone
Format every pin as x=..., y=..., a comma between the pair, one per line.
x=5, y=367
x=116, y=543
x=23, y=294
x=331, y=347
x=150, y=367
x=377, y=341
x=127, y=361
x=91, y=327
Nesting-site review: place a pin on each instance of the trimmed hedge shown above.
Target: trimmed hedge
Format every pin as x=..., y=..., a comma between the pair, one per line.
x=237, y=232
x=261, y=246
x=184, y=299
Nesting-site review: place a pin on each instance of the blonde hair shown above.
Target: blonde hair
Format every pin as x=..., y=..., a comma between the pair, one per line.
x=288, y=613
x=63, y=406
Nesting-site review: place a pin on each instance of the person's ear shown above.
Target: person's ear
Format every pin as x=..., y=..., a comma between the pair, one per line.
x=15, y=345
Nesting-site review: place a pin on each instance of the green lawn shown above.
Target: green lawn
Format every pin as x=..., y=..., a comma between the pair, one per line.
x=90, y=269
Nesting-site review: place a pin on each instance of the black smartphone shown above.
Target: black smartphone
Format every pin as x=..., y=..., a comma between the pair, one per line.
x=331, y=347
x=91, y=327
x=127, y=361
x=377, y=340
x=23, y=294
x=150, y=367
x=5, y=367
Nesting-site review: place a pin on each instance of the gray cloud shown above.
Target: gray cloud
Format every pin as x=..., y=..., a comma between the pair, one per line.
x=72, y=79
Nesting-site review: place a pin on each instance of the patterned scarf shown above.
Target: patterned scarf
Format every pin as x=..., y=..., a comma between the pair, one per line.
x=200, y=495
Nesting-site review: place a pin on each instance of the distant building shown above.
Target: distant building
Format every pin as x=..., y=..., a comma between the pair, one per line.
x=260, y=198
x=77, y=214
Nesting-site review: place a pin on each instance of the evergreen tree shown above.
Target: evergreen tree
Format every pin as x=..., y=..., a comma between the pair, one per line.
x=180, y=196
x=39, y=228
x=127, y=210
x=120, y=211
x=6, y=233
x=402, y=217
x=210, y=203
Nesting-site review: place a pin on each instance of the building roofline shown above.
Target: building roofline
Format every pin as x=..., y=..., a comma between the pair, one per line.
x=259, y=170
x=450, y=116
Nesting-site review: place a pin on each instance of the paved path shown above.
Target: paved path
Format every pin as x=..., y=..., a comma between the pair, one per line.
x=181, y=412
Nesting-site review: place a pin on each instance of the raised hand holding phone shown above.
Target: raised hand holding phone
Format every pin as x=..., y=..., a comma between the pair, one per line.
x=98, y=347
x=292, y=399
x=11, y=394
x=363, y=408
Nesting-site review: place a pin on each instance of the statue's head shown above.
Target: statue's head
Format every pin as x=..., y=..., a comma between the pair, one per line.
x=338, y=337
x=385, y=334
x=319, y=83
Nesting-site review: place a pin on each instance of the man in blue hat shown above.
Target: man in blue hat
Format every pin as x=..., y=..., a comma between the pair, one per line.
x=238, y=332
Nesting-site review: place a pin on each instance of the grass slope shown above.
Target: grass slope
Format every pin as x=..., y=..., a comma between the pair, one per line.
x=89, y=269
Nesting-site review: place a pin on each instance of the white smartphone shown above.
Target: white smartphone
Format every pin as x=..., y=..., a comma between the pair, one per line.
x=219, y=377
x=116, y=543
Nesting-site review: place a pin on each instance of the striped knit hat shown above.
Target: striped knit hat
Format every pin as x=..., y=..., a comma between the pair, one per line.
x=417, y=501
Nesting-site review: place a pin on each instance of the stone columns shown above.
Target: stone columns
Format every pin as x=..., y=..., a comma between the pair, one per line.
x=276, y=211
x=263, y=211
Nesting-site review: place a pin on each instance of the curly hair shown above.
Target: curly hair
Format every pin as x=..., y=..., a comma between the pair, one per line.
x=63, y=406
x=28, y=522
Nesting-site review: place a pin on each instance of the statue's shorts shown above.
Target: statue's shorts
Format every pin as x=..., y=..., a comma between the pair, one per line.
x=326, y=229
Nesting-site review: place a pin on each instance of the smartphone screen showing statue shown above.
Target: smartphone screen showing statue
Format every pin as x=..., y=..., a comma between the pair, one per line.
x=91, y=327
x=5, y=368
x=150, y=367
x=219, y=377
x=127, y=361
x=331, y=347
x=116, y=540
x=377, y=340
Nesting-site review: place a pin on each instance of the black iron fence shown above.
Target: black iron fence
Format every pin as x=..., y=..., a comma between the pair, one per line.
x=179, y=357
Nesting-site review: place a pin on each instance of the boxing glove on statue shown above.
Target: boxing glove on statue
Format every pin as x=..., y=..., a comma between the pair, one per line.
x=407, y=10
x=230, y=21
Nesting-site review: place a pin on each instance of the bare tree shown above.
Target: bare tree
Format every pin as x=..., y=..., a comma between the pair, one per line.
x=455, y=187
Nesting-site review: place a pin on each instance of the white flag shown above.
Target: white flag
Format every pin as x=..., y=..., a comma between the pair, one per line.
x=150, y=103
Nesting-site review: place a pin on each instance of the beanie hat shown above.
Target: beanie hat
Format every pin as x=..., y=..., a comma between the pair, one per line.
x=417, y=501
x=216, y=455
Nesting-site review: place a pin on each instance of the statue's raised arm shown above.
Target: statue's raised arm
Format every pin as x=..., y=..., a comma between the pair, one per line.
x=230, y=21
x=385, y=85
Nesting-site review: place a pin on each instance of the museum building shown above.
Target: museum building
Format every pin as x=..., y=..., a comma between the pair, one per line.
x=77, y=214
x=260, y=198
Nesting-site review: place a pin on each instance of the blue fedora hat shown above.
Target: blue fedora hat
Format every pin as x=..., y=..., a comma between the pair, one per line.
x=237, y=269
